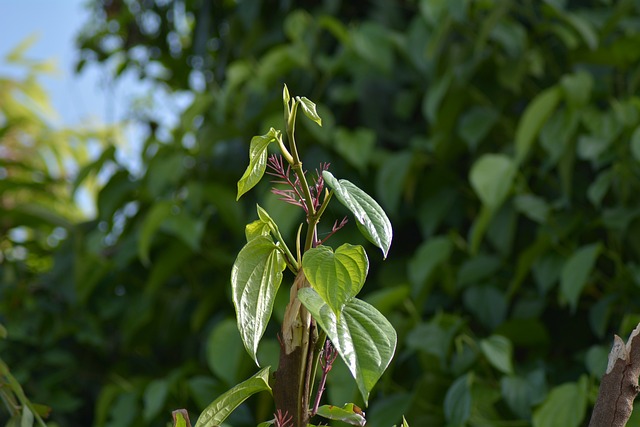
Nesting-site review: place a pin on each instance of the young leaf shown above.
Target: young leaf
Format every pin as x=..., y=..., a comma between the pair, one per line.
x=349, y=414
x=255, y=278
x=219, y=409
x=363, y=337
x=309, y=110
x=371, y=219
x=337, y=277
x=181, y=418
x=257, y=161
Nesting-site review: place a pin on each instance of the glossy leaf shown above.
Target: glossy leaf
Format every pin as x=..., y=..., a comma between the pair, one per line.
x=309, y=110
x=349, y=414
x=536, y=114
x=219, y=409
x=255, y=278
x=336, y=276
x=364, y=338
x=257, y=161
x=499, y=352
x=576, y=271
x=370, y=217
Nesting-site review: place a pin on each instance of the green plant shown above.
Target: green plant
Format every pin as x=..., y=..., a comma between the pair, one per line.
x=21, y=410
x=323, y=318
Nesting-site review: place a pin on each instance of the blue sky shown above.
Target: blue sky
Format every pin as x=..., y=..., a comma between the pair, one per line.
x=78, y=99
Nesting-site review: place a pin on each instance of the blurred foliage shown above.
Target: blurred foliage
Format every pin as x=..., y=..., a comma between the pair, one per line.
x=502, y=136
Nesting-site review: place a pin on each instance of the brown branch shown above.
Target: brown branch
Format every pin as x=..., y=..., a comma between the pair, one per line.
x=619, y=385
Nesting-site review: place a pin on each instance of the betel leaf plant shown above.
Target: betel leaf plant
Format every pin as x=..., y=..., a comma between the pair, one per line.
x=324, y=318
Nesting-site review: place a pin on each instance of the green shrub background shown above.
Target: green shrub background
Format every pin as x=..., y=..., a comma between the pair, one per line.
x=501, y=136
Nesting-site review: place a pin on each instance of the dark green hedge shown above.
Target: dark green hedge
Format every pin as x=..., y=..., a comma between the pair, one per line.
x=502, y=136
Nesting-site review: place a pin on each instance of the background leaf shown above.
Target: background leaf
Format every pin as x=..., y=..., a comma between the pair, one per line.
x=576, y=272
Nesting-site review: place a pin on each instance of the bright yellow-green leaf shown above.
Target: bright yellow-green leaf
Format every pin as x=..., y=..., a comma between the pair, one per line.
x=257, y=161
x=337, y=277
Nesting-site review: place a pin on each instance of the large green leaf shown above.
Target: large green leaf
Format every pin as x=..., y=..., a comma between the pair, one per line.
x=576, y=272
x=255, y=278
x=536, y=114
x=370, y=217
x=364, y=338
x=219, y=409
x=337, y=277
x=257, y=161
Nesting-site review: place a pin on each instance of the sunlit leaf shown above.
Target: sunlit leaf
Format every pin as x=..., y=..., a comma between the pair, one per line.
x=255, y=278
x=349, y=414
x=181, y=418
x=309, y=110
x=257, y=161
x=337, y=277
x=370, y=217
x=219, y=409
x=364, y=338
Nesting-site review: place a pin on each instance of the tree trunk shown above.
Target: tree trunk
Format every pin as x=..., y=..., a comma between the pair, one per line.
x=297, y=342
x=619, y=385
